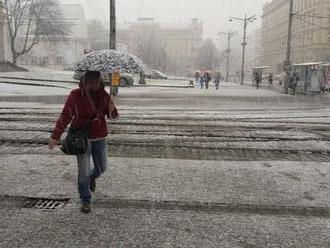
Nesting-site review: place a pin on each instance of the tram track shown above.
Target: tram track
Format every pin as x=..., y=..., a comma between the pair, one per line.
x=189, y=152
x=195, y=137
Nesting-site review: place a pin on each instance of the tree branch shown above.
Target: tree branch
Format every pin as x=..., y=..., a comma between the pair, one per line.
x=27, y=33
x=28, y=20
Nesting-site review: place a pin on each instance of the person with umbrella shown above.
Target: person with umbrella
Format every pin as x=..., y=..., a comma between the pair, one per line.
x=88, y=104
x=112, y=63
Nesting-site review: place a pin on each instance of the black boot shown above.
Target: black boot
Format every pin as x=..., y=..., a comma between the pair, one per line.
x=92, y=184
x=85, y=208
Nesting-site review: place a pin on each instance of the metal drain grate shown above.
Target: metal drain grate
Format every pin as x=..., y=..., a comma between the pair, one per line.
x=41, y=203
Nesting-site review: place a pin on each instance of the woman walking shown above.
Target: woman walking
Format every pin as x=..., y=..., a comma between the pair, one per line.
x=89, y=104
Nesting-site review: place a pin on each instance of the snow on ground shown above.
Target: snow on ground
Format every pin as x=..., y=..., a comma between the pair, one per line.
x=16, y=89
x=42, y=73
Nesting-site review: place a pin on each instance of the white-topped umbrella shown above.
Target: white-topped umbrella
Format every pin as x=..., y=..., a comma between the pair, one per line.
x=109, y=61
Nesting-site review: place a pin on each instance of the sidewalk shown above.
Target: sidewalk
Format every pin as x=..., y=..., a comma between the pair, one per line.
x=154, y=228
x=41, y=74
x=278, y=184
x=168, y=203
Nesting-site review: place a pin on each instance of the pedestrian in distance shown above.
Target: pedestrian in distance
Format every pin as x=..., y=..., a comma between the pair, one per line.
x=89, y=104
x=217, y=80
x=207, y=79
x=281, y=78
x=197, y=76
x=201, y=82
x=115, y=83
x=294, y=80
x=270, y=79
x=253, y=78
x=257, y=79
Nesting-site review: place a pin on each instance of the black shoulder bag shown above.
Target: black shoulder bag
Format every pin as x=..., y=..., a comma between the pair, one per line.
x=76, y=141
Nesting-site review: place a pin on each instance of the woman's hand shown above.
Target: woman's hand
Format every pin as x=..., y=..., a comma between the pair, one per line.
x=52, y=143
x=111, y=106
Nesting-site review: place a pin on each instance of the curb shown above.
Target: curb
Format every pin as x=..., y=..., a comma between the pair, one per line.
x=41, y=80
x=33, y=84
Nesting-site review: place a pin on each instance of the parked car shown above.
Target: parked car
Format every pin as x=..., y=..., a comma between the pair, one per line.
x=77, y=75
x=126, y=80
x=159, y=75
x=155, y=74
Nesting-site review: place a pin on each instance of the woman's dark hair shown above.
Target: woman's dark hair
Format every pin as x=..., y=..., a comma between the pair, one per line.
x=91, y=76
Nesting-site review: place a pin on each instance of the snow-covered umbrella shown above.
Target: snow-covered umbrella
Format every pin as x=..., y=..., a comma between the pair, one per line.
x=109, y=61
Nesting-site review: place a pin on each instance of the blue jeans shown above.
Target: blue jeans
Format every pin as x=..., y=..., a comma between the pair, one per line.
x=98, y=151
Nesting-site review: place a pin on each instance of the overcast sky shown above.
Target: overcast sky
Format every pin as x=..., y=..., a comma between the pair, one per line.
x=214, y=13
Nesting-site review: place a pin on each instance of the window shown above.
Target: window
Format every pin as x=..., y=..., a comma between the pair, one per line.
x=34, y=61
x=59, y=60
x=46, y=60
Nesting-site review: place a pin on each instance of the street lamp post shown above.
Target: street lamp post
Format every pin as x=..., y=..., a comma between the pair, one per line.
x=112, y=33
x=287, y=62
x=246, y=20
x=112, y=38
x=230, y=34
x=2, y=36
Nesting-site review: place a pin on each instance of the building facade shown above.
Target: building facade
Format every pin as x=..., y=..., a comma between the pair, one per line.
x=179, y=41
x=236, y=51
x=257, y=47
x=58, y=54
x=2, y=34
x=310, y=32
x=4, y=42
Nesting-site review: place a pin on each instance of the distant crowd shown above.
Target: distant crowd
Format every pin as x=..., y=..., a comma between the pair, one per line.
x=203, y=80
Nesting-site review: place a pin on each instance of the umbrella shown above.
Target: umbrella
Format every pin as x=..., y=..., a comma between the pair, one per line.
x=109, y=61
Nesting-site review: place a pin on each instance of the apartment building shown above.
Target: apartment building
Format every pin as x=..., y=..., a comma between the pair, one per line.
x=180, y=40
x=5, y=54
x=310, y=32
x=58, y=54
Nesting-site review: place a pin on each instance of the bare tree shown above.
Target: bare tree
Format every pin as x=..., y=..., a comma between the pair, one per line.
x=208, y=57
x=151, y=52
x=30, y=20
x=98, y=35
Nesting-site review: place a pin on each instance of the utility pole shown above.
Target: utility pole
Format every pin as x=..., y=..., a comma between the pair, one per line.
x=112, y=35
x=246, y=20
x=112, y=38
x=287, y=62
x=2, y=33
x=243, y=54
x=228, y=51
x=228, y=56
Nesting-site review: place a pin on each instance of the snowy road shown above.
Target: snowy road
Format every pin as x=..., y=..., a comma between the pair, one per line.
x=250, y=166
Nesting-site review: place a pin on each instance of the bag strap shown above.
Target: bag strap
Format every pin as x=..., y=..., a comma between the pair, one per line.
x=93, y=109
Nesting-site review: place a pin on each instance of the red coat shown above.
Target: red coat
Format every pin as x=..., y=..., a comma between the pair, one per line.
x=78, y=110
